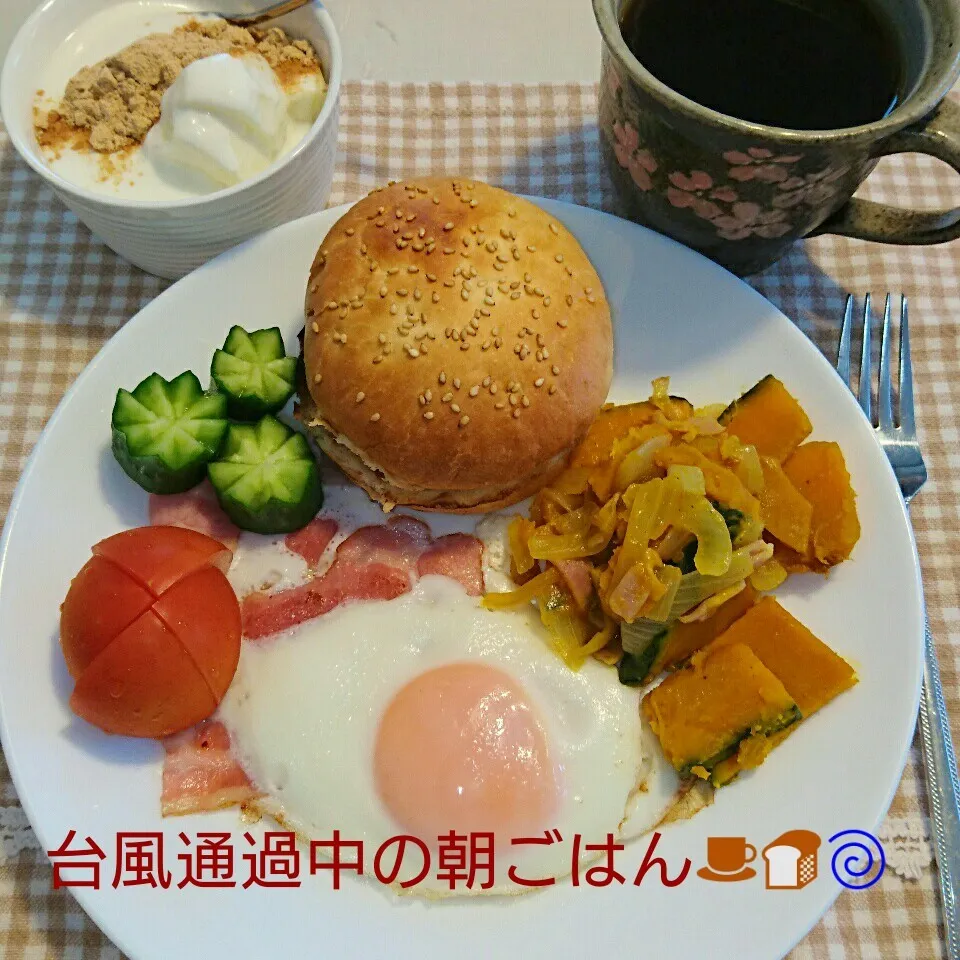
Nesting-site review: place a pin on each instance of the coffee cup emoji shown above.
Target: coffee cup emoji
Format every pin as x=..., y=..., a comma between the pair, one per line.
x=727, y=859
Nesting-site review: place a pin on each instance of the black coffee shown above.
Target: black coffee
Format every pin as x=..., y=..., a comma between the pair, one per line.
x=802, y=64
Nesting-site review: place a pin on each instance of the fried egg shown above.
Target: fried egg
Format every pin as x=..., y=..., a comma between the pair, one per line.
x=428, y=714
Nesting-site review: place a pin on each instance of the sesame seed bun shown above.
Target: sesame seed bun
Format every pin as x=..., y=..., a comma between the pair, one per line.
x=457, y=346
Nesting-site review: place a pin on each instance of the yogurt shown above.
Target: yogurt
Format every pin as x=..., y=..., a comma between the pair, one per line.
x=224, y=120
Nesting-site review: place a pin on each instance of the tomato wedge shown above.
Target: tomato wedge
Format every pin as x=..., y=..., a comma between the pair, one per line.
x=144, y=684
x=157, y=557
x=103, y=601
x=203, y=613
x=150, y=631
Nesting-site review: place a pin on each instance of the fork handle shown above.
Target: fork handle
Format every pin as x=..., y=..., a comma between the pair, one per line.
x=943, y=786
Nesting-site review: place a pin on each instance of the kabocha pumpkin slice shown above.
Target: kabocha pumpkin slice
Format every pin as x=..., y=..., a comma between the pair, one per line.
x=679, y=641
x=786, y=513
x=751, y=752
x=768, y=417
x=686, y=639
x=611, y=425
x=819, y=472
x=794, y=562
x=810, y=671
x=702, y=712
x=614, y=422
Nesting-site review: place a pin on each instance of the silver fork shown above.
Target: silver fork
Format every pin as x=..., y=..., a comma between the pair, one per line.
x=898, y=438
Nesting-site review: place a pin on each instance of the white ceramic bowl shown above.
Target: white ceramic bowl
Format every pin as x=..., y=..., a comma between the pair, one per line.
x=171, y=238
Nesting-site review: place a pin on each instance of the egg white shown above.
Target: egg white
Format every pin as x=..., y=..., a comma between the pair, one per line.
x=264, y=563
x=304, y=706
x=303, y=711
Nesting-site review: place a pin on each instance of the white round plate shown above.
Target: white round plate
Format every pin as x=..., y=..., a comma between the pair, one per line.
x=675, y=313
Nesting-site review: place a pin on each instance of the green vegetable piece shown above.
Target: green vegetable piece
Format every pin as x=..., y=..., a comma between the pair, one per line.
x=648, y=651
x=634, y=669
x=732, y=518
x=266, y=478
x=166, y=432
x=254, y=372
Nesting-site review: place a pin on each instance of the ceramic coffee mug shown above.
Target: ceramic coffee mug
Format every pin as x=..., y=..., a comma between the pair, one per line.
x=742, y=192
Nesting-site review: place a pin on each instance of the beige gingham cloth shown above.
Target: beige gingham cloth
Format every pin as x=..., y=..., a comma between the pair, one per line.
x=62, y=294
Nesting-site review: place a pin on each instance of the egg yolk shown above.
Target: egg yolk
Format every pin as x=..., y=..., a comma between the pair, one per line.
x=460, y=748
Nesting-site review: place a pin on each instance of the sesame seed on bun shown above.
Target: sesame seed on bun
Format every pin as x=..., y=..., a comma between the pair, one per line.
x=457, y=345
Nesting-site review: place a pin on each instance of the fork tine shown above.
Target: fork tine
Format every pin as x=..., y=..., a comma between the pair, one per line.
x=906, y=374
x=885, y=390
x=865, y=379
x=843, y=351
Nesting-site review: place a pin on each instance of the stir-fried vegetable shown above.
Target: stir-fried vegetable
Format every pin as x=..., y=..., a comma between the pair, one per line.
x=693, y=590
x=655, y=526
x=525, y=594
x=574, y=637
x=768, y=576
x=518, y=534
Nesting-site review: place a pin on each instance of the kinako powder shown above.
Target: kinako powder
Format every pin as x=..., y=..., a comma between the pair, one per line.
x=110, y=107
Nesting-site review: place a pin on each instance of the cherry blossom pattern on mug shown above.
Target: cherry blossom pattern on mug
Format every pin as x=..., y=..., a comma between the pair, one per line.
x=813, y=189
x=747, y=219
x=761, y=164
x=697, y=192
x=639, y=163
x=737, y=220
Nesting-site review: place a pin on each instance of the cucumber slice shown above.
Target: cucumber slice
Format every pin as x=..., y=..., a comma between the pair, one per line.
x=266, y=478
x=165, y=432
x=254, y=373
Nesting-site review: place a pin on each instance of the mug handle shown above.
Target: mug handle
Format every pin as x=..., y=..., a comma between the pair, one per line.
x=938, y=136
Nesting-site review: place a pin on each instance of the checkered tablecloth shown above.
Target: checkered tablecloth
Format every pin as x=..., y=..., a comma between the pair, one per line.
x=62, y=294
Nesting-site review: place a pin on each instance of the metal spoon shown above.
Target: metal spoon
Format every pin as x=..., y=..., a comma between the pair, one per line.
x=270, y=13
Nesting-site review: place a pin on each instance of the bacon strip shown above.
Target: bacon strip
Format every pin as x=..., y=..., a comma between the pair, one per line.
x=197, y=509
x=311, y=541
x=199, y=772
x=397, y=543
x=576, y=577
x=373, y=563
x=267, y=613
x=458, y=556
